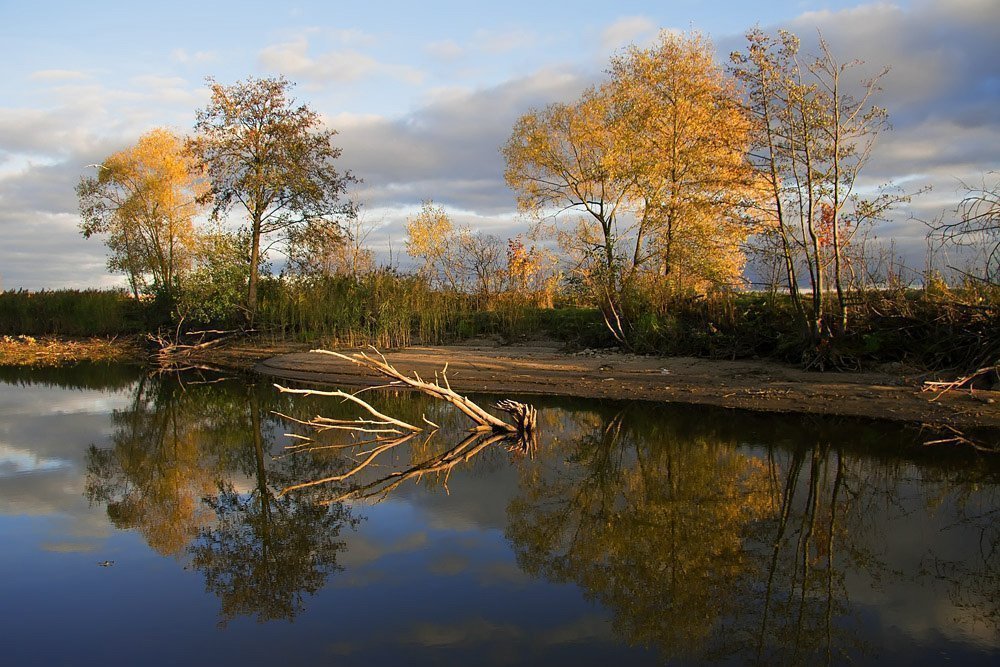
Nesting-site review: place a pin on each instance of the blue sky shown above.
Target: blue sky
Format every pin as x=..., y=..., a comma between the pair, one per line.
x=424, y=93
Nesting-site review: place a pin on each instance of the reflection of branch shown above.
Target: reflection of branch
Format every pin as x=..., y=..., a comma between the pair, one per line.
x=463, y=451
x=521, y=438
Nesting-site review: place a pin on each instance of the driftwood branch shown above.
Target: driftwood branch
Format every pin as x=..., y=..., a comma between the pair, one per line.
x=382, y=419
x=945, y=387
x=385, y=433
x=445, y=393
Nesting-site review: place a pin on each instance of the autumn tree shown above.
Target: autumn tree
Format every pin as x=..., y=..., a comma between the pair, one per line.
x=457, y=258
x=428, y=234
x=272, y=160
x=814, y=131
x=684, y=137
x=644, y=174
x=560, y=165
x=144, y=199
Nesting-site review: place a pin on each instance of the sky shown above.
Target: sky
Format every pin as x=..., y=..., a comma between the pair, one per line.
x=422, y=95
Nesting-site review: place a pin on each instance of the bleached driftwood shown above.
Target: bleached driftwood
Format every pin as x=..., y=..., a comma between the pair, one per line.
x=382, y=433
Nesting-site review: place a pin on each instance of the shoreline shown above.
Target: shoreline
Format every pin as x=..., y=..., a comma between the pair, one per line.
x=543, y=368
x=758, y=385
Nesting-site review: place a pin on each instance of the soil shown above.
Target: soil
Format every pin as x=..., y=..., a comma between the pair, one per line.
x=890, y=394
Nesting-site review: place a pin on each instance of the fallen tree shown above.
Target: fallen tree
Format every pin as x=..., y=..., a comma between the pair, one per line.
x=380, y=433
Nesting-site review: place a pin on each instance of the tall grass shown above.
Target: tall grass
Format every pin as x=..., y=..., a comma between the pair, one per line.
x=72, y=313
x=386, y=309
x=933, y=327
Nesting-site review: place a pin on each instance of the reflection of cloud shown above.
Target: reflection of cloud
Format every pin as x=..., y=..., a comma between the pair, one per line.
x=502, y=574
x=16, y=461
x=69, y=547
x=362, y=550
x=448, y=565
x=470, y=631
x=585, y=628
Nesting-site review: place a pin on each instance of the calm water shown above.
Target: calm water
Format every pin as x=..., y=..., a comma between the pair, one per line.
x=141, y=523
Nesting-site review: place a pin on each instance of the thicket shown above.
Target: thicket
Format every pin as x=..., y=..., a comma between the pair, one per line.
x=934, y=327
x=89, y=312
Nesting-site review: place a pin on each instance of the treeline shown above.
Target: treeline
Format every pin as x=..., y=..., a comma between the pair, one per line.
x=651, y=195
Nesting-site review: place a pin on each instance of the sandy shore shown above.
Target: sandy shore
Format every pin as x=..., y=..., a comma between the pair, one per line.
x=754, y=385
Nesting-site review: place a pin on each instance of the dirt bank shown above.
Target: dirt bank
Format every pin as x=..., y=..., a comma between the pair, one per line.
x=753, y=385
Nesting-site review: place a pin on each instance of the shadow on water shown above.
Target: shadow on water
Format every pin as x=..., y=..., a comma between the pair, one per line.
x=707, y=534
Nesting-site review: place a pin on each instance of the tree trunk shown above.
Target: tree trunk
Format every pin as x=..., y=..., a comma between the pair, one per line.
x=251, y=313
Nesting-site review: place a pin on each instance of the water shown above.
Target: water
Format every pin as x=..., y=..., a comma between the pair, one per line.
x=141, y=523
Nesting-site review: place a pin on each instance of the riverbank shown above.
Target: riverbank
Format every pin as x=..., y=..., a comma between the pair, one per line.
x=892, y=394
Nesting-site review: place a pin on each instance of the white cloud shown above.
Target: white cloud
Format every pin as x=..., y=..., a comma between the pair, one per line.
x=498, y=42
x=627, y=30
x=185, y=57
x=57, y=75
x=447, y=49
x=293, y=58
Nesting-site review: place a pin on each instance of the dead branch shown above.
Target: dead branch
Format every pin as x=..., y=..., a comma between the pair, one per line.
x=445, y=393
x=521, y=437
x=349, y=397
x=945, y=387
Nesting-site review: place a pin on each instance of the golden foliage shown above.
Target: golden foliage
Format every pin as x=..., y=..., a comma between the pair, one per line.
x=655, y=161
x=145, y=199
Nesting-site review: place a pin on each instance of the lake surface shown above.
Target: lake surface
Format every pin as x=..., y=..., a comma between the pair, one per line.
x=142, y=523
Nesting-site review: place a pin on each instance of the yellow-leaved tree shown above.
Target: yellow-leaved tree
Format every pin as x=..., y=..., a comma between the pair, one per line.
x=645, y=179
x=144, y=199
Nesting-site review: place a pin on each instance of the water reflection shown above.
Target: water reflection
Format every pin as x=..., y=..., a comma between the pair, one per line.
x=701, y=535
x=190, y=468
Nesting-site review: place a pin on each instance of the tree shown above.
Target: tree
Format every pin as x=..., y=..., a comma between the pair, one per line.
x=145, y=199
x=559, y=161
x=812, y=138
x=272, y=160
x=685, y=140
x=428, y=235
x=322, y=250
x=653, y=163
x=976, y=225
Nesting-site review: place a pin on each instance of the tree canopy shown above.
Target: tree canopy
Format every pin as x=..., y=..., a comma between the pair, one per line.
x=271, y=159
x=144, y=198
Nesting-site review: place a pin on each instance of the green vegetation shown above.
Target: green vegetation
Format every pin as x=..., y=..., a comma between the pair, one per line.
x=74, y=313
x=650, y=195
x=934, y=327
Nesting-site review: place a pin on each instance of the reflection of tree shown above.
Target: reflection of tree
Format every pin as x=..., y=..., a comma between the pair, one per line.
x=174, y=473
x=158, y=469
x=804, y=589
x=971, y=502
x=264, y=552
x=699, y=547
x=649, y=522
